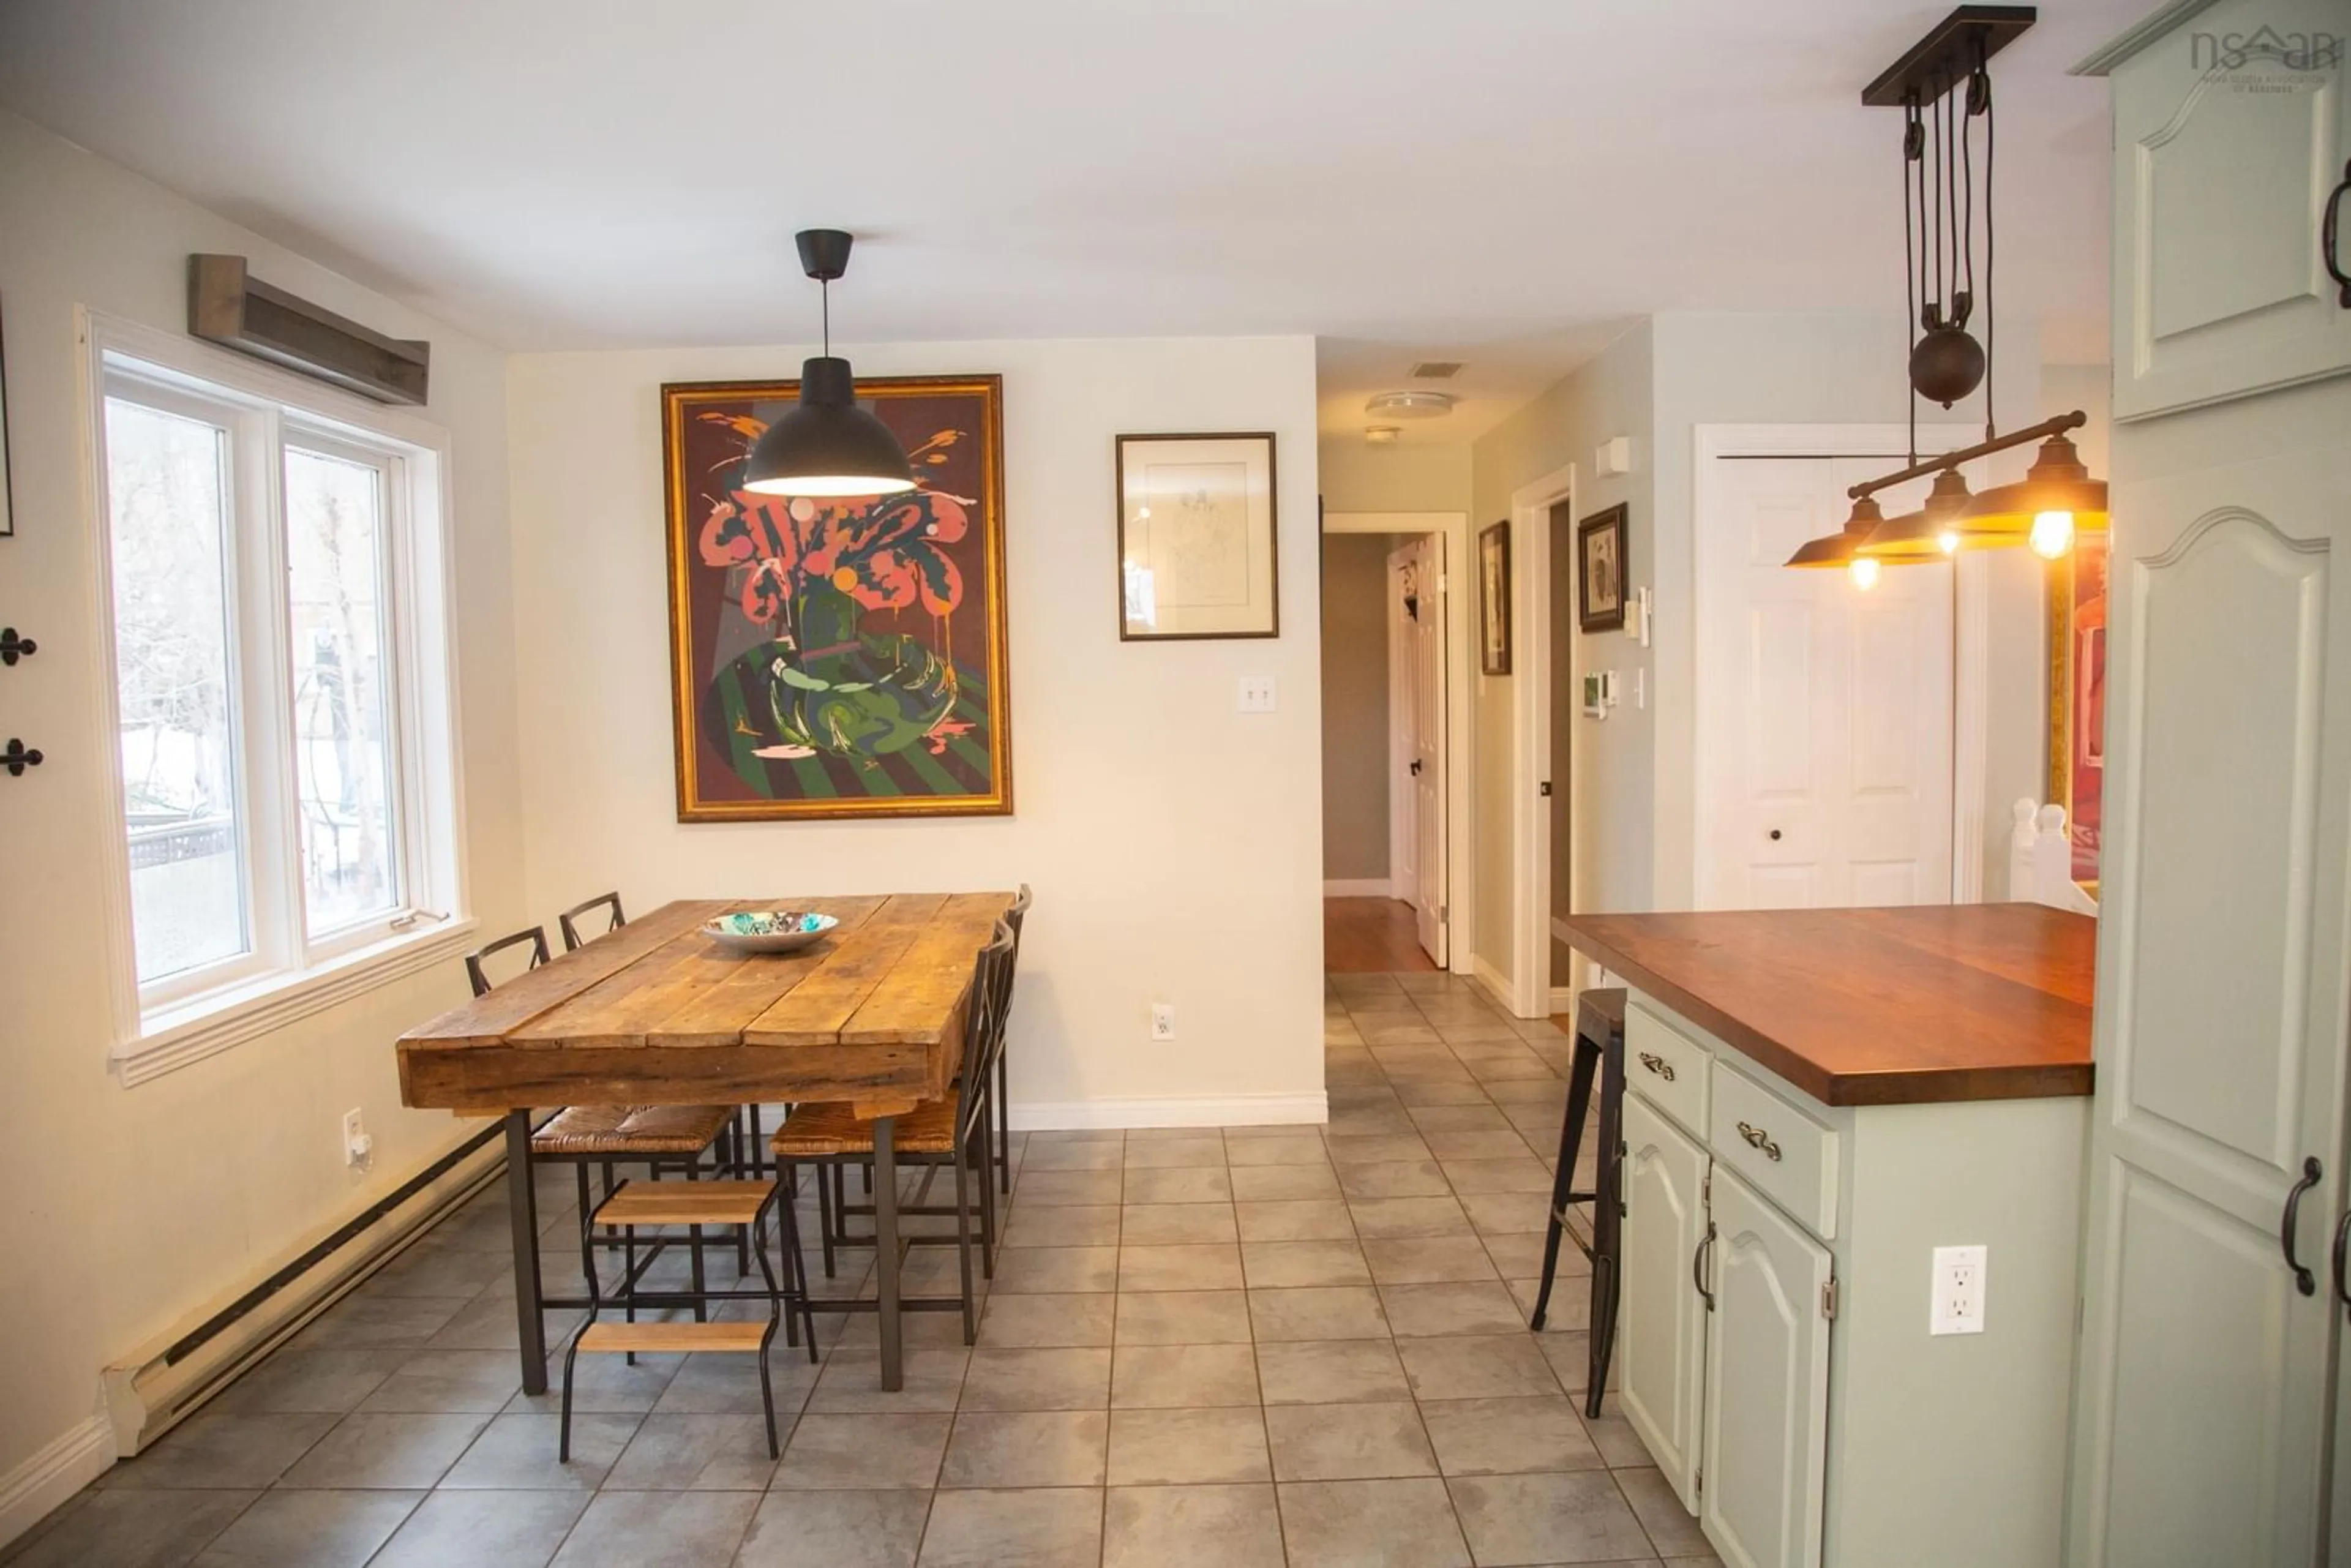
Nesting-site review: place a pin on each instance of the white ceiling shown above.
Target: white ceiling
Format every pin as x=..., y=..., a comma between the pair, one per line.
x=1504, y=182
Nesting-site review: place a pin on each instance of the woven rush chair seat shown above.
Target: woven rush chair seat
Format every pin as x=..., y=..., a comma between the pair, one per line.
x=834, y=1127
x=624, y=1132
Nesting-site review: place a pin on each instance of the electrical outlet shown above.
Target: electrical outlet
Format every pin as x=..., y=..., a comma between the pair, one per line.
x=358, y=1147
x=1959, y=1303
x=1255, y=694
x=1163, y=1020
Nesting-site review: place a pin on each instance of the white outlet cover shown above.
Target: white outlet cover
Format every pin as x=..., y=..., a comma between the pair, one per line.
x=1163, y=1020
x=1957, y=1302
x=1256, y=695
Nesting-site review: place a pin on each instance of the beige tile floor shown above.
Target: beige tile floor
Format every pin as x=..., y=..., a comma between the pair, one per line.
x=1244, y=1347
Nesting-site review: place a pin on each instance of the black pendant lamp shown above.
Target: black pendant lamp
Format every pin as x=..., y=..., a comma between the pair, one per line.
x=2055, y=501
x=828, y=445
x=1842, y=549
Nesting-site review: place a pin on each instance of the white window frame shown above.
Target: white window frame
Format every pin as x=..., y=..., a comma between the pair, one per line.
x=288, y=973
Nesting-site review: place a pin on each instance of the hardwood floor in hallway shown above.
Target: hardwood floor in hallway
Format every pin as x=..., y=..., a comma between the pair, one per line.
x=1370, y=936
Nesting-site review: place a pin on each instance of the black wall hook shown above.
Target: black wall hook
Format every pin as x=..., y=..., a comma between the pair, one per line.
x=13, y=647
x=17, y=758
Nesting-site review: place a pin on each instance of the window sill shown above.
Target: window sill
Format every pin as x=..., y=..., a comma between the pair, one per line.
x=172, y=1037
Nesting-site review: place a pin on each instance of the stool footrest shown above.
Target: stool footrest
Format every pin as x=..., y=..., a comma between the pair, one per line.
x=685, y=1202
x=633, y=1338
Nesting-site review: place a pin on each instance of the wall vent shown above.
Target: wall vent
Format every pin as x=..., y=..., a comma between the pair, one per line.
x=1436, y=370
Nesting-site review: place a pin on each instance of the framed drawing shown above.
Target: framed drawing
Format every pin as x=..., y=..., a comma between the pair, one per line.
x=839, y=657
x=1196, y=538
x=1494, y=600
x=2077, y=696
x=1599, y=570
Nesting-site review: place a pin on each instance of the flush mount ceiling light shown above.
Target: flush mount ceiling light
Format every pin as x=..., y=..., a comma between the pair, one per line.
x=1411, y=406
x=828, y=444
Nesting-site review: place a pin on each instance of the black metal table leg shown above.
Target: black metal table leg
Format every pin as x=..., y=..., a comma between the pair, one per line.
x=1562, y=1183
x=522, y=1205
x=886, y=1249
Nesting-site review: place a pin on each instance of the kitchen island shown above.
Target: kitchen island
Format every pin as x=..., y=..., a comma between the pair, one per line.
x=1820, y=1104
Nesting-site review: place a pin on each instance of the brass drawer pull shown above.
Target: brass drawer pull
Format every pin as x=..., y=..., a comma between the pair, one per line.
x=1758, y=1139
x=1658, y=1065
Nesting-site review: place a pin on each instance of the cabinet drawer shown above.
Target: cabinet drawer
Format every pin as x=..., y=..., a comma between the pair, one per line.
x=1783, y=1152
x=1667, y=1066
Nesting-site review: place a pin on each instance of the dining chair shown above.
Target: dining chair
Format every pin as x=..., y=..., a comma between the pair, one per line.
x=1013, y=917
x=666, y=1138
x=951, y=1133
x=571, y=937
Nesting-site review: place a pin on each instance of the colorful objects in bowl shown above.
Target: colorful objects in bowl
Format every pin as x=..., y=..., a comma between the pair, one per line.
x=767, y=930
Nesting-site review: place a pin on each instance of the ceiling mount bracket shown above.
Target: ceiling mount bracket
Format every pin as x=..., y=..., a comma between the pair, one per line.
x=824, y=253
x=1949, y=54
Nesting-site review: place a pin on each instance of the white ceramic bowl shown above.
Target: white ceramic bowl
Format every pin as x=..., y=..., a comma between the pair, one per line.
x=767, y=930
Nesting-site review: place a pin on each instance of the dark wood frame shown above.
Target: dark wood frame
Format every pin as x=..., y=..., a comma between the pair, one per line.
x=1612, y=520
x=7, y=507
x=1272, y=540
x=680, y=532
x=1496, y=605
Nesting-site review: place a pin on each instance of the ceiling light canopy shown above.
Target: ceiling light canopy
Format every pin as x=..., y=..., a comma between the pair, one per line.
x=829, y=445
x=1411, y=406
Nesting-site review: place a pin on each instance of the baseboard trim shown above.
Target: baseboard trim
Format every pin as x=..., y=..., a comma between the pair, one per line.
x=1202, y=1111
x=1494, y=983
x=1562, y=1000
x=34, y=1490
x=1359, y=887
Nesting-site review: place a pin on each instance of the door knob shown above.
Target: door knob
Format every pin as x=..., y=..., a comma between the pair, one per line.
x=1415, y=767
x=1775, y=835
x=13, y=647
x=18, y=756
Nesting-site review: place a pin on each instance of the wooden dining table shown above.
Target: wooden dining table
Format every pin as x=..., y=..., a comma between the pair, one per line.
x=656, y=1013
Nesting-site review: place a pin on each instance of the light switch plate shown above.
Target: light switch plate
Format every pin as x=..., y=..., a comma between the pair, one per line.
x=1958, y=1291
x=1255, y=694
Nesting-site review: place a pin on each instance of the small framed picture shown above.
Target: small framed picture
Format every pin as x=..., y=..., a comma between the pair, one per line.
x=1494, y=600
x=1196, y=538
x=7, y=518
x=1599, y=570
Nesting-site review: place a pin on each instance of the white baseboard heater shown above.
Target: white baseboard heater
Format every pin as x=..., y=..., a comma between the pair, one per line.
x=156, y=1387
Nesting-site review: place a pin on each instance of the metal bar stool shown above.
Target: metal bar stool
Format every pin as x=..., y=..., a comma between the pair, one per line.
x=1599, y=1053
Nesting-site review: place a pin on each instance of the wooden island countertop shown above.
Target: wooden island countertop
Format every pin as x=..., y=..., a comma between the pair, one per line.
x=1876, y=1006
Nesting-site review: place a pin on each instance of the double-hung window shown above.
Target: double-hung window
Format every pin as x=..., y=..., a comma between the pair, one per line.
x=276, y=584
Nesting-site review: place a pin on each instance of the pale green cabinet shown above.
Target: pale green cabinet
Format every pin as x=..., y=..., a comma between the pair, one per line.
x=1775, y=1349
x=1661, y=1331
x=2231, y=138
x=1767, y=1382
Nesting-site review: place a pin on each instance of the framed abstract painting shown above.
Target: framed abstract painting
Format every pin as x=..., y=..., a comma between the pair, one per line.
x=2078, y=697
x=839, y=657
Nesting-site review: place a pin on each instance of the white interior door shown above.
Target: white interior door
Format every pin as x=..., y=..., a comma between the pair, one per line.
x=1823, y=711
x=1417, y=582
x=2202, y=1385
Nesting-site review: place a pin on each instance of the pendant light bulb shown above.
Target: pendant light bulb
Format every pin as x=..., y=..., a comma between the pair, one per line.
x=2053, y=535
x=1947, y=541
x=1864, y=570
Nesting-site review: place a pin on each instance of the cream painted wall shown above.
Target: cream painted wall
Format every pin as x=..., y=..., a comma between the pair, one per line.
x=122, y=1209
x=1416, y=479
x=1636, y=830
x=1356, y=706
x=1174, y=844
x=1613, y=394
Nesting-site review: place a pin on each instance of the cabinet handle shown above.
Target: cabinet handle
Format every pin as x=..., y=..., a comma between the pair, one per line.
x=2303, y=1281
x=1658, y=1065
x=1757, y=1138
x=2342, y=1241
x=1698, y=1265
x=2330, y=235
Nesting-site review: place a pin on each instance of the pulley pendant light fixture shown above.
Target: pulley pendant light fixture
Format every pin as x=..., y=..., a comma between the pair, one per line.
x=1843, y=549
x=2053, y=504
x=828, y=444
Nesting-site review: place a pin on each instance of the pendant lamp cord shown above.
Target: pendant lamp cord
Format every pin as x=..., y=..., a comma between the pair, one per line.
x=824, y=287
x=1979, y=92
x=1913, y=260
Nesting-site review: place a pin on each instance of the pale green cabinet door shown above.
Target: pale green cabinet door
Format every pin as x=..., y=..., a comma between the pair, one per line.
x=2202, y=1390
x=1660, y=1327
x=1767, y=1384
x=2230, y=135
